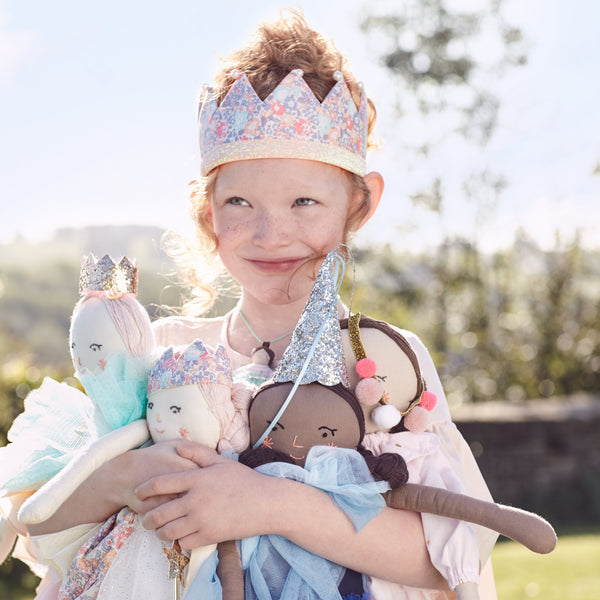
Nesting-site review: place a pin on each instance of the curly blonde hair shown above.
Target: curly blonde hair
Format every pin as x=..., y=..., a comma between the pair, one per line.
x=275, y=49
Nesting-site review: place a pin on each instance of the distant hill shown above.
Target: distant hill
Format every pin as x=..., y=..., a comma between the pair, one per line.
x=70, y=244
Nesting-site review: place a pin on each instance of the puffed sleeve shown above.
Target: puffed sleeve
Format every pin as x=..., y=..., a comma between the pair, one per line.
x=453, y=444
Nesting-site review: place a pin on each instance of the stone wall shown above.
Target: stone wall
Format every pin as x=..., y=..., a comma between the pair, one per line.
x=542, y=455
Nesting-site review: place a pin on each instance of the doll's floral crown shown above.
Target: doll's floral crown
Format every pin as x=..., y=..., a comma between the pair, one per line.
x=195, y=364
x=105, y=275
x=289, y=123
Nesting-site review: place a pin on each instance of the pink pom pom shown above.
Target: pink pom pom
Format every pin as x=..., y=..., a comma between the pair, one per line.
x=366, y=367
x=428, y=400
x=369, y=391
x=385, y=417
x=416, y=420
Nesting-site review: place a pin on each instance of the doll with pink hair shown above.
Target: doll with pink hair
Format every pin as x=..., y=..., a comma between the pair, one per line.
x=111, y=344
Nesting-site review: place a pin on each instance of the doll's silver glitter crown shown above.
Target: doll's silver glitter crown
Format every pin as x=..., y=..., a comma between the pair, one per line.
x=105, y=275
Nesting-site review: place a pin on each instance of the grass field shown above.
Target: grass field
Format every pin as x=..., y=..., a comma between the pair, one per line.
x=570, y=572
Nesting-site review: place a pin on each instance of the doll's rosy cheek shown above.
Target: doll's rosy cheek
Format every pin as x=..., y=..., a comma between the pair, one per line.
x=184, y=433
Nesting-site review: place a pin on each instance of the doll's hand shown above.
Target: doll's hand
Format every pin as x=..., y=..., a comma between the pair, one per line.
x=223, y=500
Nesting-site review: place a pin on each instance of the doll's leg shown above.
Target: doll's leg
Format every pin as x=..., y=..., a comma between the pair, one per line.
x=229, y=571
x=521, y=526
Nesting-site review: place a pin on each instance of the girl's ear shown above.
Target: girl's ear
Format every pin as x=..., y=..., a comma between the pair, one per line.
x=374, y=181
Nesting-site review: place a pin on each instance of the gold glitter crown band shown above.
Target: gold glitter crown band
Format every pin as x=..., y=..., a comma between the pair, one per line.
x=289, y=123
x=105, y=276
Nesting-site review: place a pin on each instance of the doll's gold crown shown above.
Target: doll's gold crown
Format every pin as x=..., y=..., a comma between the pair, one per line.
x=290, y=123
x=105, y=275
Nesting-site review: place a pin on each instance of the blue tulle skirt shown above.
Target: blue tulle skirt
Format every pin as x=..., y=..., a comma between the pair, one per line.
x=274, y=567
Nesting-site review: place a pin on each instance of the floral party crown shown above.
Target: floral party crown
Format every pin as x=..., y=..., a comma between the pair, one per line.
x=290, y=123
x=195, y=364
x=105, y=276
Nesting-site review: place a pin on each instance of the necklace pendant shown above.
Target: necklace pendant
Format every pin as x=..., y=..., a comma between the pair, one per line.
x=263, y=355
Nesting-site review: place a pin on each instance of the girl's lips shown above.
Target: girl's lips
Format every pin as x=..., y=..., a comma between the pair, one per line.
x=276, y=266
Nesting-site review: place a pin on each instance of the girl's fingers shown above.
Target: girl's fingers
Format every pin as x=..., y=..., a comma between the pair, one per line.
x=163, y=485
x=164, y=517
x=203, y=456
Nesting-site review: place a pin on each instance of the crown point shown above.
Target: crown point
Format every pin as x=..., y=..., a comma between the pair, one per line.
x=298, y=72
x=236, y=73
x=106, y=276
x=338, y=76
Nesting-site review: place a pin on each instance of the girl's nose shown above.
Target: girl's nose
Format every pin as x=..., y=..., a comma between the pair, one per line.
x=295, y=444
x=271, y=230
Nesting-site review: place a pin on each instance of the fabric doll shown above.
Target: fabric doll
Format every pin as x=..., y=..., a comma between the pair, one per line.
x=111, y=342
x=190, y=397
x=313, y=442
x=385, y=375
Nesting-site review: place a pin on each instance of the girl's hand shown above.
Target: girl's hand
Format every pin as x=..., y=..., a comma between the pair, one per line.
x=111, y=487
x=221, y=501
x=144, y=464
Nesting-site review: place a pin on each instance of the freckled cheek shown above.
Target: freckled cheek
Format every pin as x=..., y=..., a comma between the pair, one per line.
x=231, y=233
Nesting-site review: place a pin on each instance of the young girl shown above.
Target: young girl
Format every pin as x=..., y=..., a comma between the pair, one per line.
x=283, y=137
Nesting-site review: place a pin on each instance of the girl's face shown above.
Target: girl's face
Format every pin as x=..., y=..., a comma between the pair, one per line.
x=272, y=217
x=182, y=413
x=94, y=337
x=316, y=416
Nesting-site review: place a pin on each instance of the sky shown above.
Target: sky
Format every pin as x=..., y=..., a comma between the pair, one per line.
x=98, y=118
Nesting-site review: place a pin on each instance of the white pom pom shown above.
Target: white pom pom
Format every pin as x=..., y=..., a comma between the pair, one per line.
x=385, y=417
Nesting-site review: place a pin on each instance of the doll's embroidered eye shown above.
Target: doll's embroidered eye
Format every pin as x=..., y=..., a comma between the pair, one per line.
x=175, y=409
x=327, y=431
x=96, y=347
x=150, y=405
x=276, y=426
x=72, y=345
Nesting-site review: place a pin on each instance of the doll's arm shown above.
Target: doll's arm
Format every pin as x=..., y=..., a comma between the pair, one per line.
x=44, y=503
x=521, y=526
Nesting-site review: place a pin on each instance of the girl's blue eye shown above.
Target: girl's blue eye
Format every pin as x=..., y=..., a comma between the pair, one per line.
x=237, y=201
x=304, y=201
